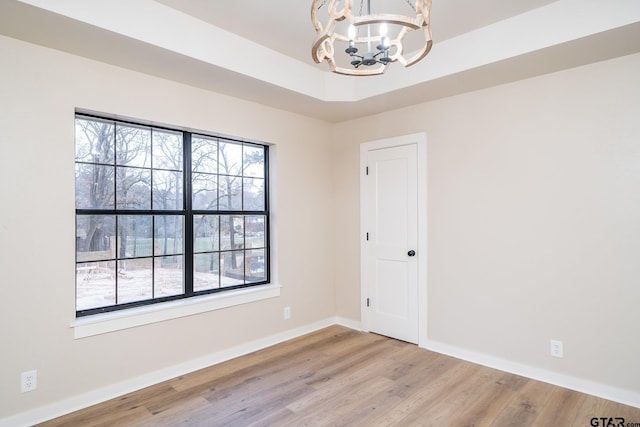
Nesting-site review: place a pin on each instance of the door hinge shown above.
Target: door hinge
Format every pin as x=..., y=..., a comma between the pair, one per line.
x=367, y=236
x=367, y=302
x=367, y=170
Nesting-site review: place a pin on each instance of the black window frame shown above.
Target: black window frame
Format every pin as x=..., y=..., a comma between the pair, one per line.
x=187, y=213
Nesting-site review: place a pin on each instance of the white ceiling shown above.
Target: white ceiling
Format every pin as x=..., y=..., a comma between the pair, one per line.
x=260, y=50
x=285, y=25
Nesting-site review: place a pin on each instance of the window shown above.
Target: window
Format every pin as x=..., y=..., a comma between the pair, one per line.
x=163, y=214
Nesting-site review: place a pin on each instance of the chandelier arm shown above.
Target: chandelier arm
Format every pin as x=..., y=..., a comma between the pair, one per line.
x=314, y=15
x=315, y=49
x=402, y=33
x=360, y=71
x=340, y=15
x=328, y=34
x=424, y=10
x=388, y=18
x=420, y=55
x=397, y=42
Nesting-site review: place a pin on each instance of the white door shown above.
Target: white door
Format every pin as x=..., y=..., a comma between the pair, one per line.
x=390, y=264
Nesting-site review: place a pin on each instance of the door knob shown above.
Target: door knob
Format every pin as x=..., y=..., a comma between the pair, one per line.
x=411, y=253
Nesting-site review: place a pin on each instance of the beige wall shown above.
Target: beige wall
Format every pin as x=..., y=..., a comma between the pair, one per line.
x=533, y=221
x=39, y=90
x=533, y=216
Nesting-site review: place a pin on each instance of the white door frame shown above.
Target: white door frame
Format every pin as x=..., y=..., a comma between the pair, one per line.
x=420, y=139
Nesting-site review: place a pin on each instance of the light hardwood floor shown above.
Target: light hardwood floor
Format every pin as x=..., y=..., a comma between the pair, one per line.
x=338, y=376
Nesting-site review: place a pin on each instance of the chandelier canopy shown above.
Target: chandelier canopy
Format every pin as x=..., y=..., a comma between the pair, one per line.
x=370, y=40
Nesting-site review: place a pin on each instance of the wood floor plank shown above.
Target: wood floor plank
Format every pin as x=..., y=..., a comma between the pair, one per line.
x=562, y=408
x=338, y=376
x=525, y=406
x=462, y=396
x=360, y=356
x=335, y=409
x=433, y=397
x=102, y=418
x=176, y=415
x=593, y=407
x=630, y=414
x=607, y=412
x=237, y=367
x=280, y=417
x=331, y=387
x=495, y=396
x=409, y=373
x=420, y=397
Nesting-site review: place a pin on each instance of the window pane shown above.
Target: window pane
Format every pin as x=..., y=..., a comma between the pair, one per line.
x=254, y=263
x=94, y=141
x=167, y=150
x=205, y=192
x=253, y=161
x=135, y=280
x=206, y=274
x=230, y=193
x=205, y=155
x=95, y=284
x=231, y=232
x=95, y=237
x=133, y=146
x=169, y=276
x=229, y=158
x=253, y=196
x=167, y=190
x=231, y=268
x=133, y=188
x=134, y=236
x=94, y=186
x=168, y=235
x=254, y=232
x=137, y=254
x=206, y=233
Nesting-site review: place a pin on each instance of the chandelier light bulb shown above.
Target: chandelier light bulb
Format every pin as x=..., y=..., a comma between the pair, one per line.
x=352, y=32
x=385, y=42
x=383, y=30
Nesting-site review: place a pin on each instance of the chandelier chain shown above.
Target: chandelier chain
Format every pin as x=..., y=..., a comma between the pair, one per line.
x=411, y=4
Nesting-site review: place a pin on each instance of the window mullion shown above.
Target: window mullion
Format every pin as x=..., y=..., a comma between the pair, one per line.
x=188, y=218
x=153, y=255
x=116, y=261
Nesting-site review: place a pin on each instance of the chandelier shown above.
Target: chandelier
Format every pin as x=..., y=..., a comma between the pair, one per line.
x=370, y=40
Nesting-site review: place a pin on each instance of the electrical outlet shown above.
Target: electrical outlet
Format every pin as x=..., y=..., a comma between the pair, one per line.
x=556, y=348
x=29, y=381
x=287, y=313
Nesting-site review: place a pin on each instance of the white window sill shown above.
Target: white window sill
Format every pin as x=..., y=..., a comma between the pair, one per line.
x=124, y=319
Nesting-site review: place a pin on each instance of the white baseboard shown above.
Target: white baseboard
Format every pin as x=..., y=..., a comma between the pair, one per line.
x=348, y=323
x=627, y=397
x=56, y=409
x=66, y=406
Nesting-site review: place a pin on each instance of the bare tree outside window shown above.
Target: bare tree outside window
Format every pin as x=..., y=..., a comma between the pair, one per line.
x=133, y=223
x=127, y=168
x=229, y=177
